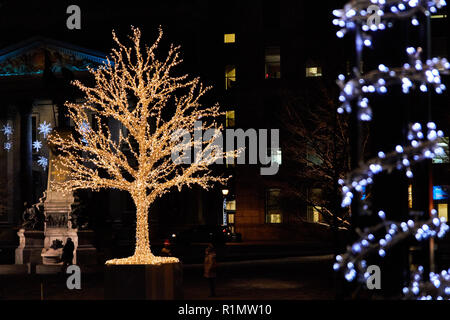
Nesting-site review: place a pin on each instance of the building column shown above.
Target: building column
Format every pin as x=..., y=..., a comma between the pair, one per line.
x=26, y=178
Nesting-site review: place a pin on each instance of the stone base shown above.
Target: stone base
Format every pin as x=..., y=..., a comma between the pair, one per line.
x=15, y=269
x=86, y=252
x=49, y=269
x=30, y=248
x=144, y=282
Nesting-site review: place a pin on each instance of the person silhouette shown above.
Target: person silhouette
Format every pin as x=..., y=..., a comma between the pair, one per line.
x=210, y=266
x=67, y=254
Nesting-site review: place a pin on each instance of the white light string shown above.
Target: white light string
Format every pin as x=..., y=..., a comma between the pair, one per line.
x=437, y=288
x=421, y=147
x=353, y=263
x=372, y=16
x=410, y=75
x=376, y=15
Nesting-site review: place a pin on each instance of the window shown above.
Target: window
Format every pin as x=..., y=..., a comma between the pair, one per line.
x=230, y=118
x=34, y=124
x=275, y=155
x=313, y=214
x=230, y=209
x=231, y=205
x=312, y=157
x=440, y=200
x=314, y=196
x=443, y=210
x=230, y=77
x=272, y=63
x=273, y=211
x=410, y=197
x=438, y=16
x=229, y=38
x=444, y=158
x=313, y=71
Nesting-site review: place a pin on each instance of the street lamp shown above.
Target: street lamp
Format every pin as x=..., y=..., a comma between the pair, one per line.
x=224, y=207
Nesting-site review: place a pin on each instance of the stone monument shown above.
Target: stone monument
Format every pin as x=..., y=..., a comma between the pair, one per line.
x=58, y=224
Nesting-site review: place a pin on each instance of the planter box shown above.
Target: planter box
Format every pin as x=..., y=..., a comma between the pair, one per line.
x=144, y=282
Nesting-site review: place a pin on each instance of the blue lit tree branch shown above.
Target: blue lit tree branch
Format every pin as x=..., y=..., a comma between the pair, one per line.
x=402, y=158
x=357, y=16
x=438, y=288
x=353, y=263
x=375, y=15
x=412, y=74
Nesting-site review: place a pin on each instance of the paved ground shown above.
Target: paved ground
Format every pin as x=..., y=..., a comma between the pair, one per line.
x=287, y=278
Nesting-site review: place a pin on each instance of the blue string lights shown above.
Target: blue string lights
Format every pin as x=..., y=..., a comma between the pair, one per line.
x=376, y=15
x=410, y=75
x=421, y=147
x=353, y=263
x=423, y=143
x=438, y=288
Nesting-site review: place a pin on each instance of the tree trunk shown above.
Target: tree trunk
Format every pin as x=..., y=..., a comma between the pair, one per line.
x=142, y=233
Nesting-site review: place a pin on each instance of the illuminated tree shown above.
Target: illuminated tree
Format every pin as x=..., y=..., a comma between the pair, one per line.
x=156, y=109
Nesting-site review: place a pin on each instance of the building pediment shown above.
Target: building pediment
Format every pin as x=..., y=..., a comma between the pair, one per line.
x=37, y=55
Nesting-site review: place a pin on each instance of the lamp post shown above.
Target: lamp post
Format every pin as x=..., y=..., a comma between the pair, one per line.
x=224, y=207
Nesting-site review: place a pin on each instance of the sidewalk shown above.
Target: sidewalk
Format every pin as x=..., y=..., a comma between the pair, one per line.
x=254, y=251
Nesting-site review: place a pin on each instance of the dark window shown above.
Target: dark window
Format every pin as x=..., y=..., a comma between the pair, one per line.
x=272, y=63
x=273, y=208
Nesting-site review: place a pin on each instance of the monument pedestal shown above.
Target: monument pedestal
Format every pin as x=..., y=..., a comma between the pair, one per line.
x=30, y=247
x=144, y=282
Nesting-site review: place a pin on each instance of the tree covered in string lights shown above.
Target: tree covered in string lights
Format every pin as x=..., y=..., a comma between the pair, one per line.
x=157, y=109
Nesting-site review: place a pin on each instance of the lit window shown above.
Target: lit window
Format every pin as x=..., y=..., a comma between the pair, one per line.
x=272, y=63
x=410, y=198
x=231, y=218
x=273, y=208
x=275, y=155
x=313, y=214
x=313, y=71
x=230, y=77
x=231, y=205
x=229, y=38
x=444, y=158
x=438, y=16
x=275, y=218
x=443, y=211
x=230, y=118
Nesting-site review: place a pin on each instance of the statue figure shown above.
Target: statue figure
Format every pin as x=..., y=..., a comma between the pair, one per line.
x=33, y=216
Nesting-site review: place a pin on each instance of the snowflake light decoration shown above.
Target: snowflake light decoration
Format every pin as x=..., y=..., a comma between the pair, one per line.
x=8, y=145
x=43, y=162
x=37, y=145
x=45, y=128
x=7, y=130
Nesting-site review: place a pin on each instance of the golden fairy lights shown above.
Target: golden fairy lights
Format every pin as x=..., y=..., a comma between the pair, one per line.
x=137, y=90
